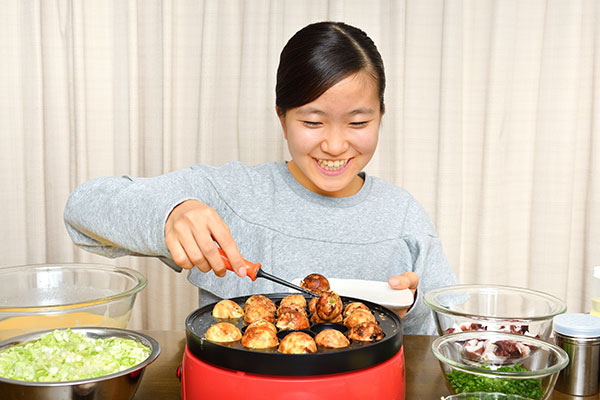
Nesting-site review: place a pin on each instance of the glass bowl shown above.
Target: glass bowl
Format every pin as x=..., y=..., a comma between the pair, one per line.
x=121, y=385
x=484, y=396
x=499, y=362
x=48, y=296
x=460, y=308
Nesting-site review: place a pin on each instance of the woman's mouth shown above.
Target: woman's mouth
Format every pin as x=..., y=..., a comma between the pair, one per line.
x=332, y=166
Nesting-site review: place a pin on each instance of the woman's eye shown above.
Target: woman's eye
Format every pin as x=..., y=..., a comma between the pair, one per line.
x=311, y=124
x=358, y=124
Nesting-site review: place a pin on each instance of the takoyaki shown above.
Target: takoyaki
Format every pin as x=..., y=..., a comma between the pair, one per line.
x=227, y=309
x=260, y=337
x=292, y=320
x=315, y=283
x=257, y=312
x=297, y=343
x=260, y=299
x=331, y=339
x=354, y=306
x=223, y=332
x=359, y=315
x=329, y=306
x=293, y=299
x=366, y=332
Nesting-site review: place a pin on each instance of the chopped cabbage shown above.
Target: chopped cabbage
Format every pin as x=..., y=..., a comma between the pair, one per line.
x=63, y=355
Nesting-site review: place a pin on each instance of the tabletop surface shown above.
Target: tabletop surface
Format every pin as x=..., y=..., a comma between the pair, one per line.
x=424, y=379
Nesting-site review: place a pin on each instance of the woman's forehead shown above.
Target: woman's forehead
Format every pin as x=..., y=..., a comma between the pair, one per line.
x=353, y=95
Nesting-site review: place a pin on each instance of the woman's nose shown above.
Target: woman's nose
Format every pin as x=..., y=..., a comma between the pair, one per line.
x=334, y=142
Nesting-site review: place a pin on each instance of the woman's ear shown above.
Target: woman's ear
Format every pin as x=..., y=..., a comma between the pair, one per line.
x=281, y=117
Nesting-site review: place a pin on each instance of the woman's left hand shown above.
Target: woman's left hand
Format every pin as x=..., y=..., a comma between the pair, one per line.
x=406, y=280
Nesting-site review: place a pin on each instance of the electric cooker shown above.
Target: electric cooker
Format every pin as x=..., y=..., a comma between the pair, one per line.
x=363, y=370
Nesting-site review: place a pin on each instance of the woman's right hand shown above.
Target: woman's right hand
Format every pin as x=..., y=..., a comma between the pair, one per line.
x=191, y=231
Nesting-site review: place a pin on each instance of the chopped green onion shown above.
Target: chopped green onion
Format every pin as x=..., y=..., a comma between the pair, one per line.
x=63, y=355
x=464, y=382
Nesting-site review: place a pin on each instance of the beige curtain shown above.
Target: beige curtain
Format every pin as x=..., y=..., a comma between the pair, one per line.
x=492, y=121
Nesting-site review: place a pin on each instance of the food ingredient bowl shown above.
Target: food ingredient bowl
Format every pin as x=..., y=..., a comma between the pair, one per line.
x=509, y=309
x=116, y=386
x=498, y=362
x=48, y=296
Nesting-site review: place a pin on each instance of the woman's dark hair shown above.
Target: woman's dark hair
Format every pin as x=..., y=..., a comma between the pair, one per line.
x=320, y=55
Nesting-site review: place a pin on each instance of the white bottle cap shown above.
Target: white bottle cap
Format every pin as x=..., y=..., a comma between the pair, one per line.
x=577, y=325
x=597, y=271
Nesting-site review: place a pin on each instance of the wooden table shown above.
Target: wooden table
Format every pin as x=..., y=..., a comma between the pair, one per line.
x=424, y=380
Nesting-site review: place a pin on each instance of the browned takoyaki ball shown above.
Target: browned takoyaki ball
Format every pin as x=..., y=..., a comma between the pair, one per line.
x=227, y=309
x=329, y=306
x=331, y=339
x=260, y=299
x=353, y=306
x=291, y=307
x=223, y=332
x=262, y=324
x=260, y=337
x=315, y=318
x=315, y=283
x=359, y=315
x=293, y=299
x=259, y=312
x=292, y=320
x=366, y=332
x=312, y=305
x=297, y=343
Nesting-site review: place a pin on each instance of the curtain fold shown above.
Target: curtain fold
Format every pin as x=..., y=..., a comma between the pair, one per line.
x=491, y=121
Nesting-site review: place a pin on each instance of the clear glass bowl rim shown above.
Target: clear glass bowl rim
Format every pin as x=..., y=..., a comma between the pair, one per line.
x=139, y=278
x=562, y=356
x=495, y=394
x=430, y=299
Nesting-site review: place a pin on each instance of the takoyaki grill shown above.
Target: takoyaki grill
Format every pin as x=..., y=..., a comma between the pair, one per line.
x=261, y=353
x=320, y=361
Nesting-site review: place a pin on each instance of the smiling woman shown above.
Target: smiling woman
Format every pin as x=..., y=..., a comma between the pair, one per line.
x=332, y=138
x=316, y=213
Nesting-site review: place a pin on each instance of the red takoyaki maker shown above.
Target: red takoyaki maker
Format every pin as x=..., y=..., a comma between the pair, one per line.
x=364, y=370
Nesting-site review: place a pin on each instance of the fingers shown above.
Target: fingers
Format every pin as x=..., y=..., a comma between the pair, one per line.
x=406, y=280
x=222, y=236
x=190, y=234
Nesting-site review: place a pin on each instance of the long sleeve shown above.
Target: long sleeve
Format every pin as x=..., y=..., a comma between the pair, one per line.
x=117, y=216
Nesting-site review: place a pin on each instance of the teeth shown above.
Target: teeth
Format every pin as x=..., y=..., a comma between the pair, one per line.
x=332, y=165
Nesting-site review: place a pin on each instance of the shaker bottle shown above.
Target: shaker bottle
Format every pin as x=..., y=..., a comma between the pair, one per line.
x=596, y=292
x=579, y=335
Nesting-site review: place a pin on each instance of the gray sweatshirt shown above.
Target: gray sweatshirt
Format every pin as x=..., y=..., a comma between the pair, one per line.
x=377, y=233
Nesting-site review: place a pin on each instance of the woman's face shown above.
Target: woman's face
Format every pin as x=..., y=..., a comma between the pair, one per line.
x=334, y=137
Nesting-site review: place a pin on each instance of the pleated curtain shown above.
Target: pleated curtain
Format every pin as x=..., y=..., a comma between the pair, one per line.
x=492, y=121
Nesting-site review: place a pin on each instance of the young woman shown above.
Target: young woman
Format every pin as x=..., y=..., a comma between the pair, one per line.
x=317, y=213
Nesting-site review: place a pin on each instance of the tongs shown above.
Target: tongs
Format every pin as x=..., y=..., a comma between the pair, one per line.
x=254, y=271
